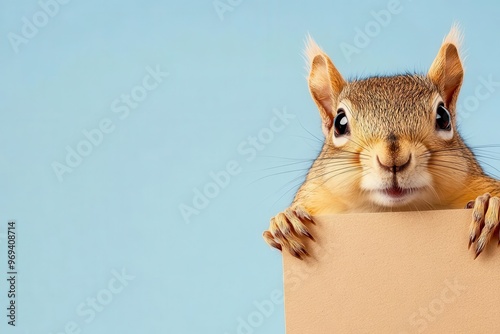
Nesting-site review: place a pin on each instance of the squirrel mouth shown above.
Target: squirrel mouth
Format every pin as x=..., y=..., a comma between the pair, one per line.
x=397, y=192
x=395, y=195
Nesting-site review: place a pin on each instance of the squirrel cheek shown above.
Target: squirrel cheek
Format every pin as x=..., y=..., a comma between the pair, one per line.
x=445, y=135
x=339, y=141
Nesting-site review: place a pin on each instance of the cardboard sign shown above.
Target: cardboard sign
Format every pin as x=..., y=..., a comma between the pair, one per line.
x=399, y=273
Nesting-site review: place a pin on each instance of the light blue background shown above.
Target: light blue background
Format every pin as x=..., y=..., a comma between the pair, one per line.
x=120, y=207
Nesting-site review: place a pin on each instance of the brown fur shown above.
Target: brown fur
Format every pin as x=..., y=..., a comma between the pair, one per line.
x=378, y=114
x=393, y=142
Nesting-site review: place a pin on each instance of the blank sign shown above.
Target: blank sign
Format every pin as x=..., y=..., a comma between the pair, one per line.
x=399, y=273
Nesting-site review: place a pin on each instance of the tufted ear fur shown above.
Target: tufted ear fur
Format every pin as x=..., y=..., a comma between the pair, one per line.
x=325, y=83
x=446, y=71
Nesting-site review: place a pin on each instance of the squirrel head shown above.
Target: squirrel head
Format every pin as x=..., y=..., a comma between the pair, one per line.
x=391, y=141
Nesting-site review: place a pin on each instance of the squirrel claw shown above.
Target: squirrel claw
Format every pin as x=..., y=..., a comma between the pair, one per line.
x=485, y=220
x=286, y=230
x=300, y=253
x=268, y=237
x=309, y=235
x=479, y=250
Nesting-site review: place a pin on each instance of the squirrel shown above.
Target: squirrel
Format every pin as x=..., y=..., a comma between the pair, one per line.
x=391, y=144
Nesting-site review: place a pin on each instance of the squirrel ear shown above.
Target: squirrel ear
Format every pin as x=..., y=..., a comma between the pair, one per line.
x=446, y=71
x=325, y=82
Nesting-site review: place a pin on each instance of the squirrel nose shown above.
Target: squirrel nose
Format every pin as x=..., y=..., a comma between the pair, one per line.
x=394, y=168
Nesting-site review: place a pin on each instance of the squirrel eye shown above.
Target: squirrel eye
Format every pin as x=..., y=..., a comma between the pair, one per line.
x=443, y=118
x=341, y=124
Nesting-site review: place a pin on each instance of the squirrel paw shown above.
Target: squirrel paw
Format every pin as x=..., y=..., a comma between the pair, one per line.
x=485, y=215
x=287, y=228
